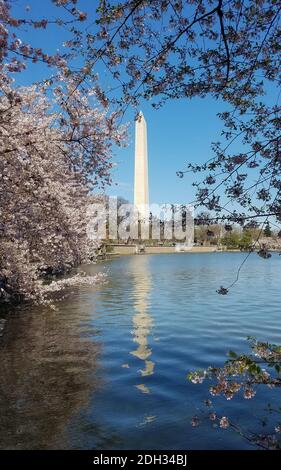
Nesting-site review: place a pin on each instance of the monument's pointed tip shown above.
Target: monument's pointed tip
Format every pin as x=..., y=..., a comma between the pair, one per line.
x=140, y=116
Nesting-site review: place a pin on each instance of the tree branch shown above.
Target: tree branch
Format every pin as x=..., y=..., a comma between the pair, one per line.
x=220, y=15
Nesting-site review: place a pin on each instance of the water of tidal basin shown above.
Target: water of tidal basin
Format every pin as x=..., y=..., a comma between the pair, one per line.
x=107, y=370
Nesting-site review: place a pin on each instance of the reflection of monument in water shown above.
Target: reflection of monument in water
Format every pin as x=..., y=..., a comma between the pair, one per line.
x=142, y=321
x=141, y=194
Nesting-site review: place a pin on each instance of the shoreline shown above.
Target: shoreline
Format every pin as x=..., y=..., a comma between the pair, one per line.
x=131, y=250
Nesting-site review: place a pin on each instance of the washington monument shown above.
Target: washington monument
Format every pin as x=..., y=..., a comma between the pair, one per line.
x=141, y=198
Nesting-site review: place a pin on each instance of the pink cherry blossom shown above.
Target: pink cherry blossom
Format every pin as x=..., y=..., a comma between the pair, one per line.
x=224, y=423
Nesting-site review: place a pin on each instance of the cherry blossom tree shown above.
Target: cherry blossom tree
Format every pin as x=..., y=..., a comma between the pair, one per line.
x=55, y=148
x=244, y=374
x=46, y=174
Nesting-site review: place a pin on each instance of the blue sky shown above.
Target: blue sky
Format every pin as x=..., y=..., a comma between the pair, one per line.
x=180, y=132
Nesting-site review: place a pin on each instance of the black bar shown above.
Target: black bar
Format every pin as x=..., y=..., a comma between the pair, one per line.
x=132, y=459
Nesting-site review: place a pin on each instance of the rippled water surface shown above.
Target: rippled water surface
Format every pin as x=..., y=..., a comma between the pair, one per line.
x=107, y=370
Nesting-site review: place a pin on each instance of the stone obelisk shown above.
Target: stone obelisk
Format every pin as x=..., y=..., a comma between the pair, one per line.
x=141, y=199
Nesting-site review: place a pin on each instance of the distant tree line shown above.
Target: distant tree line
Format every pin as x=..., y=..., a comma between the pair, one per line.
x=234, y=236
